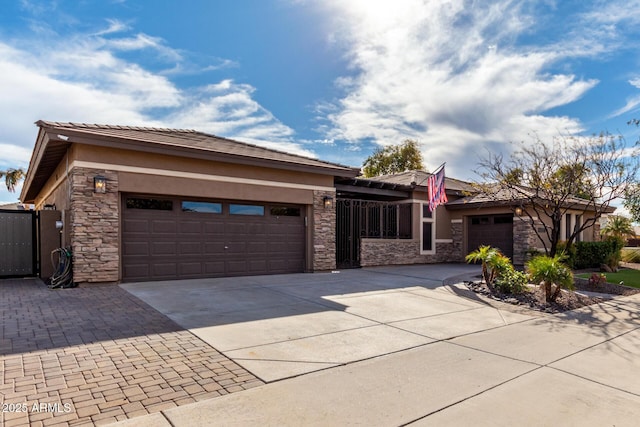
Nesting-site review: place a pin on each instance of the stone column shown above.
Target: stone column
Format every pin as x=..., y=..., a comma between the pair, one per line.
x=457, y=236
x=94, y=228
x=324, y=231
x=524, y=238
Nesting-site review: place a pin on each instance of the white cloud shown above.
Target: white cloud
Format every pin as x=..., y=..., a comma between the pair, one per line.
x=81, y=78
x=632, y=103
x=448, y=74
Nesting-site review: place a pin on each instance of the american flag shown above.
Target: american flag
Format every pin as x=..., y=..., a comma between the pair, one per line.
x=437, y=194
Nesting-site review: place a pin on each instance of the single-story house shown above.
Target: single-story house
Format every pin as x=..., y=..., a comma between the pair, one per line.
x=139, y=204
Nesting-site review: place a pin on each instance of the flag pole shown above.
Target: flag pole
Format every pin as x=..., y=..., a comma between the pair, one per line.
x=432, y=173
x=438, y=168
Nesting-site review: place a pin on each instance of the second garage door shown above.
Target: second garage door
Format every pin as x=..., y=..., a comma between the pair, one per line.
x=492, y=230
x=169, y=238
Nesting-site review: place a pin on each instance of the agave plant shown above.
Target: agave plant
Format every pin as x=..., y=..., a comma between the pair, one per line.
x=551, y=273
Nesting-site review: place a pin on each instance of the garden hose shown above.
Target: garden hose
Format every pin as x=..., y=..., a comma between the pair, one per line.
x=63, y=275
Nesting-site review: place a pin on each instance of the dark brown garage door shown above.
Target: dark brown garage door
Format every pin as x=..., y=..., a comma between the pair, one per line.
x=492, y=230
x=168, y=238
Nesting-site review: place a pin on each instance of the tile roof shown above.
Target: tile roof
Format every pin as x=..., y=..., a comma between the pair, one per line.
x=191, y=139
x=418, y=177
x=54, y=139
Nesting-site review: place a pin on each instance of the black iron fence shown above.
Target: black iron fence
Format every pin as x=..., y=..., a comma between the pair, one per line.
x=356, y=219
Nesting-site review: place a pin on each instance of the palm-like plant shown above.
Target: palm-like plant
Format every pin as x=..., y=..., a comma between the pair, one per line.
x=549, y=272
x=618, y=227
x=12, y=177
x=493, y=262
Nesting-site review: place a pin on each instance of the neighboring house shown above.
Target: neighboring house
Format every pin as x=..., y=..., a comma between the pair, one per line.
x=157, y=204
x=12, y=206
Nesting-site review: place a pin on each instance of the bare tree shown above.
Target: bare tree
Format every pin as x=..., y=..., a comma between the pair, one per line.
x=546, y=180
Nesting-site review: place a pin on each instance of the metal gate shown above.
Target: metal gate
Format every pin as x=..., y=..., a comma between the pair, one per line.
x=18, y=243
x=357, y=219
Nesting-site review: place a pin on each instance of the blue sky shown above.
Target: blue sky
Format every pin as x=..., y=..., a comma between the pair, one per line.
x=332, y=79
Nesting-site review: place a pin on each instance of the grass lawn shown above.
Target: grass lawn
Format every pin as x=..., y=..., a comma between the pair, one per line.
x=629, y=277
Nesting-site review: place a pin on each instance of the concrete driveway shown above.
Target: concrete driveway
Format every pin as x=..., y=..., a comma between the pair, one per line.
x=282, y=326
x=404, y=350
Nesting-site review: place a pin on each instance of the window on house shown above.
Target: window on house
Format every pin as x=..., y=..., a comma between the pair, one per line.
x=567, y=226
x=384, y=220
x=204, y=207
x=428, y=236
x=154, y=204
x=480, y=220
x=503, y=220
x=373, y=219
x=284, y=211
x=246, y=210
x=577, y=227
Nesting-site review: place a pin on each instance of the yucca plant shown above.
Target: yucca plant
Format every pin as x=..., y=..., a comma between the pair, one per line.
x=551, y=273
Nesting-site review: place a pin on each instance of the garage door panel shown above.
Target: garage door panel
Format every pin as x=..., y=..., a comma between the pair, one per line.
x=163, y=226
x=190, y=269
x=236, y=266
x=170, y=244
x=213, y=227
x=135, y=226
x=163, y=248
x=213, y=248
x=214, y=268
x=236, y=248
x=164, y=269
x=189, y=248
x=136, y=271
x=190, y=227
x=257, y=247
x=257, y=265
x=235, y=229
x=135, y=248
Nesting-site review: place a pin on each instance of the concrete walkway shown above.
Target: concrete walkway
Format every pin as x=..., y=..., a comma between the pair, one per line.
x=386, y=360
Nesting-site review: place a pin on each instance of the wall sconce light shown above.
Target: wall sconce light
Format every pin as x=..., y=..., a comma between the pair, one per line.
x=518, y=211
x=328, y=202
x=99, y=184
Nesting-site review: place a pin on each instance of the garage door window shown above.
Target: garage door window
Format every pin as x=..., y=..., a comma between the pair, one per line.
x=154, y=204
x=246, y=210
x=284, y=211
x=204, y=207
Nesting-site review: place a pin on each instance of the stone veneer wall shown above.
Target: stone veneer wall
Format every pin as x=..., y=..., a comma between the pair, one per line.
x=324, y=232
x=94, y=227
x=457, y=235
x=595, y=229
x=403, y=251
x=524, y=238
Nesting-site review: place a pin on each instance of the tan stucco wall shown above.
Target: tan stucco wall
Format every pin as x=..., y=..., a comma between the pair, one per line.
x=167, y=162
x=154, y=184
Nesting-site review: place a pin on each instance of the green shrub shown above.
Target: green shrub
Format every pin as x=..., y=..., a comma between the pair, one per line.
x=570, y=254
x=512, y=281
x=592, y=254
